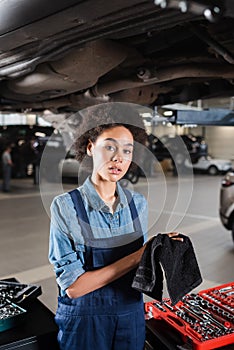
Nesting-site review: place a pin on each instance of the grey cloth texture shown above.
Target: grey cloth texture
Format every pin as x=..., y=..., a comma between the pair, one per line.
x=174, y=259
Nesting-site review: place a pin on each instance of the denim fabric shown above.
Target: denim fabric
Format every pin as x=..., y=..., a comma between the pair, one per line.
x=105, y=330
x=67, y=244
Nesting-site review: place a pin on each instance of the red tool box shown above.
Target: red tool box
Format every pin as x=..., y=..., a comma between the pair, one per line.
x=205, y=319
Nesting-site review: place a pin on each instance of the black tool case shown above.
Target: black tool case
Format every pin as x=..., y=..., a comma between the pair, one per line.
x=10, y=314
x=14, y=299
x=17, y=292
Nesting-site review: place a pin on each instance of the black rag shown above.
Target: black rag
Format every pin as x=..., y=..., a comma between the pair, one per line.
x=179, y=263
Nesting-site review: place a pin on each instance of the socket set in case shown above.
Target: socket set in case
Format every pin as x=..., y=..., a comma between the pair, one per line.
x=10, y=314
x=18, y=292
x=205, y=320
x=12, y=294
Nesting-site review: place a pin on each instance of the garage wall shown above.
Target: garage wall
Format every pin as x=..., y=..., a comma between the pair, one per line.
x=220, y=141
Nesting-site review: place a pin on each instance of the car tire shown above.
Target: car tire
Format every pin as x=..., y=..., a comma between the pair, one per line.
x=132, y=177
x=233, y=231
x=213, y=170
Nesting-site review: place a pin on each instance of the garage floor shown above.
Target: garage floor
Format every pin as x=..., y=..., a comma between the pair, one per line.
x=188, y=204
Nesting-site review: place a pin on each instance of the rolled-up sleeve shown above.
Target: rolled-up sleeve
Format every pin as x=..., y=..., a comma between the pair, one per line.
x=62, y=252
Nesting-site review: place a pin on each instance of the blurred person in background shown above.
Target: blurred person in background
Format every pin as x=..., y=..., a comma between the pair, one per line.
x=7, y=165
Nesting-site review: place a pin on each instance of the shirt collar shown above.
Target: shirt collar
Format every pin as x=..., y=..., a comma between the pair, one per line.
x=95, y=201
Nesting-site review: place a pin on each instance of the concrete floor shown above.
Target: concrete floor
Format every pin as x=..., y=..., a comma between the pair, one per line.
x=189, y=205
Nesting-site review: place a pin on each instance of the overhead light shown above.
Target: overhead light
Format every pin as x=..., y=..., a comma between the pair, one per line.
x=40, y=134
x=168, y=113
x=181, y=107
x=21, y=142
x=189, y=126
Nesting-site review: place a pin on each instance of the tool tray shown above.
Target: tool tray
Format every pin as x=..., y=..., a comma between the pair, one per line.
x=204, y=320
x=18, y=292
x=13, y=293
x=10, y=314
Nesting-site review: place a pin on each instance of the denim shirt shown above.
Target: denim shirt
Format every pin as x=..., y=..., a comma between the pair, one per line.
x=66, y=246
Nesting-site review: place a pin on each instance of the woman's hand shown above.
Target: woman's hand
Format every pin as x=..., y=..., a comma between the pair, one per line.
x=174, y=236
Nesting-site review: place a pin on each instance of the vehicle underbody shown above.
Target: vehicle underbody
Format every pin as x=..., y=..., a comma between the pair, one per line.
x=67, y=55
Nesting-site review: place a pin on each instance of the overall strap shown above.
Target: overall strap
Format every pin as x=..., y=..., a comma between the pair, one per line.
x=133, y=209
x=81, y=213
x=83, y=218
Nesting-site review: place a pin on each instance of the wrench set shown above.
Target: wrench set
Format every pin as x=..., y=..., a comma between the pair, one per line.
x=11, y=314
x=205, y=319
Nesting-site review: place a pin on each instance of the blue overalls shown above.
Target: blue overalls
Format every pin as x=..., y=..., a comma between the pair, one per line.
x=112, y=317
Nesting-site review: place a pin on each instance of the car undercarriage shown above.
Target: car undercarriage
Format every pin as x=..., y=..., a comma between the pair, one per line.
x=67, y=55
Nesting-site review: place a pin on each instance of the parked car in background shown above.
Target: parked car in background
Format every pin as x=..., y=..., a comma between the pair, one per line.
x=51, y=151
x=70, y=168
x=178, y=147
x=226, y=209
x=209, y=165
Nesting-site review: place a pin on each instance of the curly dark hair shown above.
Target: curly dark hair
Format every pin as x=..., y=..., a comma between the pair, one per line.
x=94, y=120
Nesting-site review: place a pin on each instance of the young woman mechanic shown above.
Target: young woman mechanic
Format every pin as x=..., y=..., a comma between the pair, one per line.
x=97, y=239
